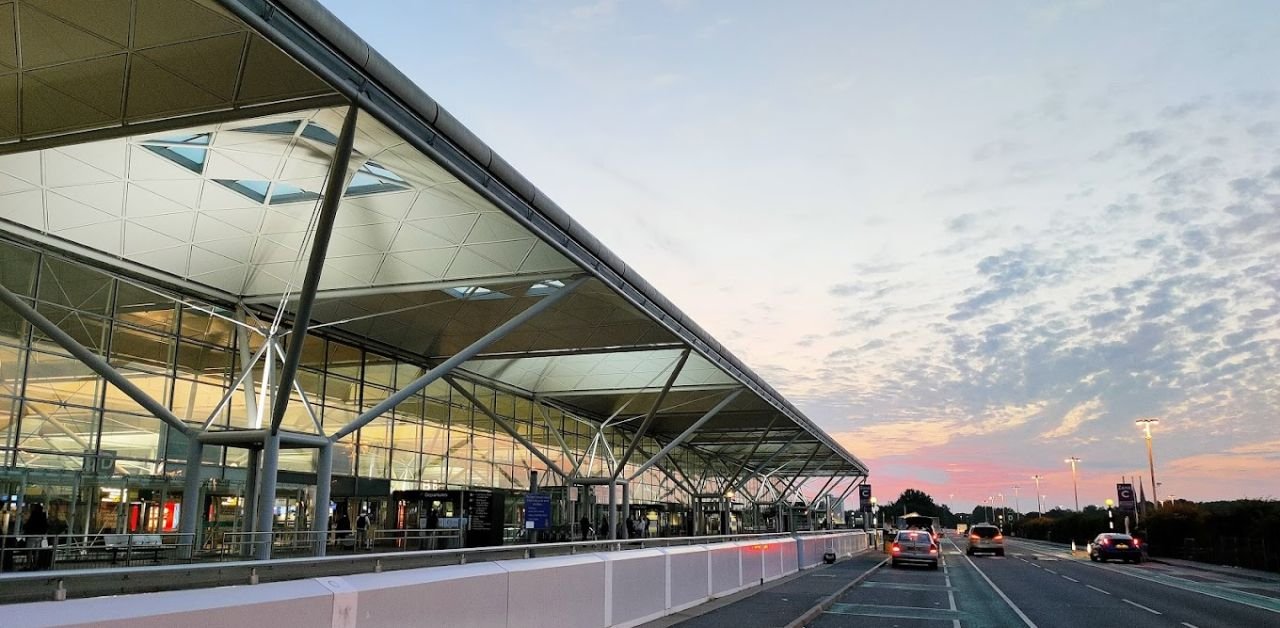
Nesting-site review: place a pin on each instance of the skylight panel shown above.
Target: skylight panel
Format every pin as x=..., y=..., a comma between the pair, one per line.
x=275, y=128
x=475, y=293
x=319, y=134
x=189, y=151
x=286, y=193
x=256, y=190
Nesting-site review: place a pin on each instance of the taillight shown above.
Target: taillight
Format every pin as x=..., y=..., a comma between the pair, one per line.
x=933, y=549
x=896, y=549
x=1106, y=542
x=973, y=537
x=1137, y=543
x=999, y=537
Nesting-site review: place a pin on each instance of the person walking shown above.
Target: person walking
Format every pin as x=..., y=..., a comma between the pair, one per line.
x=362, y=530
x=585, y=525
x=35, y=529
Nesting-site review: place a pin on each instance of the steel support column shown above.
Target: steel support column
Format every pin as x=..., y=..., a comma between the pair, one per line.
x=252, y=461
x=192, y=505
x=626, y=510
x=653, y=411
x=448, y=365
x=93, y=361
x=613, y=511
x=662, y=453
x=333, y=190
x=506, y=427
x=267, y=495
x=324, y=483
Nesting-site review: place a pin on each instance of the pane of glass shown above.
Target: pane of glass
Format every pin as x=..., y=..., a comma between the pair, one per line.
x=407, y=436
x=17, y=268
x=58, y=428
x=433, y=469
x=437, y=412
x=312, y=383
x=139, y=350
x=145, y=309
x=86, y=329
x=459, y=472
x=61, y=379
x=340, y=390
x=373, y=462
x=131, y=436
x=156, y=386
x=194, y=400
x=253, y=189
x=377, y=433
x=435, y=440
x=379, y=370
x=203, y=327
x=481, y=473
x=205, y=361
x=8, y=421
x=335, y=418
x=303, y=460
x=75, y=286
x=405, y=466
x=344, y=360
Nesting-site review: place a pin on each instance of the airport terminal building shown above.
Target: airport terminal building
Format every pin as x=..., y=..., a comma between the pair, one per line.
x=255, y=283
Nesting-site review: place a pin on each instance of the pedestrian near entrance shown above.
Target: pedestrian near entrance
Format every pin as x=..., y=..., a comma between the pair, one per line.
x=362, y=530
x=585, y=525
x=35, y=529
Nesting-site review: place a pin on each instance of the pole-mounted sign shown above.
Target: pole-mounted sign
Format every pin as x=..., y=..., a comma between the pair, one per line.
x=864, y=497
x=1125, y=497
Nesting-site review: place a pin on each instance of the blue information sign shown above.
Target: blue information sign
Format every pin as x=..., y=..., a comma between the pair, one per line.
x=537, y=511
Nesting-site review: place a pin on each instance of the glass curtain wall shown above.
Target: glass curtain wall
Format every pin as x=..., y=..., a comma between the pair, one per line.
x=96, y=449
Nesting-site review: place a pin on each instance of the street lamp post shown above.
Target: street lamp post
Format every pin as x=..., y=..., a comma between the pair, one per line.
x=1110, y=522
x=1151, y=461
x=1016, y=508
x=1075, y=486
x=1039, y=503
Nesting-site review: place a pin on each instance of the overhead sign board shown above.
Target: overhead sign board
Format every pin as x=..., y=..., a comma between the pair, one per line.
x=864, y=496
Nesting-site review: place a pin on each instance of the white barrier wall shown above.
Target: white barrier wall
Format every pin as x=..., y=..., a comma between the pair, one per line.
x=621, y=589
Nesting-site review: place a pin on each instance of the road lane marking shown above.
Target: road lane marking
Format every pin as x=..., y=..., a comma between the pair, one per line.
x=1245, y=598
x=1145, y=608
x=1071, y=579
x=1189, y=625
x=1026, y=620
x=1097, y=589
x=1051, y=571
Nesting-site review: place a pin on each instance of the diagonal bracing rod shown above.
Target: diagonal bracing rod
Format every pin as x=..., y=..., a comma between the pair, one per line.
x=462, y=356
x=334, y=188
x=653, y=411
x=737, y=485
x=506, y=427
x=93, y=361
x=687, y=433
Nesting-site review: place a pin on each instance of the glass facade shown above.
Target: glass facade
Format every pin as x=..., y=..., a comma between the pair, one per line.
x=68, y=436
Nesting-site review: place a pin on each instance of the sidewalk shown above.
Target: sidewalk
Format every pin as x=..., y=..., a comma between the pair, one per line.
x=1225, y=570
x=778, y=603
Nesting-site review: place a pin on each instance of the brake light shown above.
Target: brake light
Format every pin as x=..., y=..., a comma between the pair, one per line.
x=1106, y=542
x=999, y=537
x=896, y=549
x=1137, y=543
x=973, y=537
x=933, y=549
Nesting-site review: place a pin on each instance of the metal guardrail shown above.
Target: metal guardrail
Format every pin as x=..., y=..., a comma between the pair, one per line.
x=47, y=585
x=79, y=551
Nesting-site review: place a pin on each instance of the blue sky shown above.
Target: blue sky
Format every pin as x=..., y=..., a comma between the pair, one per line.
x=969, y=239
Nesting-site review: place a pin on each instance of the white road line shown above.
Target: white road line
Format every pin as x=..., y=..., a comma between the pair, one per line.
x=1189, y=625
x=1036, y=566
x=1026, y=620
x=1071, y=579
x=1145, y=608
x=1051, y=571
x=1097, y=589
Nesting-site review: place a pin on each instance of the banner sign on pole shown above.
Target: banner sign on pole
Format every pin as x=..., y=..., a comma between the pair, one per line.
x=864, y=497
x=1125, y=497
x=537, y=511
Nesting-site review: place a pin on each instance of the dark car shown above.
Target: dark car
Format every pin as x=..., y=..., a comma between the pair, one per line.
x=914, y=546
x=985, y=537
x=1112, y=546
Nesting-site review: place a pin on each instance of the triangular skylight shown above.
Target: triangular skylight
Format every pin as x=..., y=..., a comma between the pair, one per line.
x=189, y=151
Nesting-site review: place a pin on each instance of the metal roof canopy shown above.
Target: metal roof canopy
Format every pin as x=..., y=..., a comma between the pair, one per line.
x=204, y=170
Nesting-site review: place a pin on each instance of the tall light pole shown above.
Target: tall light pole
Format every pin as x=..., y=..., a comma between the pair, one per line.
x=1039, y=502
x=1074, y=484
x=1151, y=461
x=1016, y=508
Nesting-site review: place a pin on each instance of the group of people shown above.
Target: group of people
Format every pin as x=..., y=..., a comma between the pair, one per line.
x=34, y=542
x=341, y=525
x=634, y=527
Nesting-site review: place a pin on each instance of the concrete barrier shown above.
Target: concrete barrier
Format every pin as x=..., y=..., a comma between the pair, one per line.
x=299, y=603
x=637, y=586
x=556, y=592
x=724, y=568
x=457, y=595
x=623, y=589
x=688, y=579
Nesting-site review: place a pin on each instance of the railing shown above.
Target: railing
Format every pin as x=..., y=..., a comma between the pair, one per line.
x=22, y=587
x=81, y=551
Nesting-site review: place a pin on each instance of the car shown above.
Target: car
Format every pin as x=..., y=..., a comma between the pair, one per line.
x=914, y=546
x=1111, y=545
x=985, y=537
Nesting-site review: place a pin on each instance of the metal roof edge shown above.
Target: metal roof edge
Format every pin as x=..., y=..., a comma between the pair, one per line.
x=339, y=39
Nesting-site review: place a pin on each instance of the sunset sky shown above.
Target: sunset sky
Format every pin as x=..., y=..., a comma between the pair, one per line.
x=969, y=241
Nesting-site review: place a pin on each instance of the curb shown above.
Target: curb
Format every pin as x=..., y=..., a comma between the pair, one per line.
x=826, y=603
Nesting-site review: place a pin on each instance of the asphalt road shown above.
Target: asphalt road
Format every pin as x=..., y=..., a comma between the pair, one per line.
x=1041, y=586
